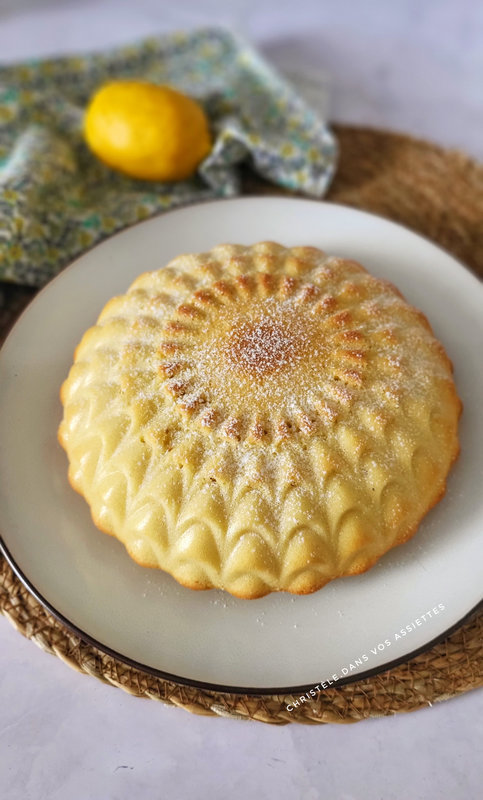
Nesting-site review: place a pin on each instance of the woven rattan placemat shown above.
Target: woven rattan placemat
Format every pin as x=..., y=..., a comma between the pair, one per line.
x=440, y=195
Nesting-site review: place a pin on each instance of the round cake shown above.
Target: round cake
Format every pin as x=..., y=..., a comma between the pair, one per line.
x=260, y=419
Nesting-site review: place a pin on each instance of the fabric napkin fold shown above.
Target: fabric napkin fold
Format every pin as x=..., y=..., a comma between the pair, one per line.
x=57, y=199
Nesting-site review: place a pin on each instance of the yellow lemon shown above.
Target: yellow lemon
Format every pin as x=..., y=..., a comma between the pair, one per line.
x=147, y=131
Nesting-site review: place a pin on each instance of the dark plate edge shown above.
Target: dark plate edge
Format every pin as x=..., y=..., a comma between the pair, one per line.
x=221, y=688
x=218, y=687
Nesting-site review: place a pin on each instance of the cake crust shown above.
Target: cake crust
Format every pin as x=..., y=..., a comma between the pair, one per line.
x=260, y=419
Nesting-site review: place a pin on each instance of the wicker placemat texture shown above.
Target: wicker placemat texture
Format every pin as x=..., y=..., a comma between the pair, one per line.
x=439, y=194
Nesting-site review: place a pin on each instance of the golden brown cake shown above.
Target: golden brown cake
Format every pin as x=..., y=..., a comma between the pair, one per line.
x=260, y=419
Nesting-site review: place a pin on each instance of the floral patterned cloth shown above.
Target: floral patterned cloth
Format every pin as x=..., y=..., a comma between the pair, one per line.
x=57, y=199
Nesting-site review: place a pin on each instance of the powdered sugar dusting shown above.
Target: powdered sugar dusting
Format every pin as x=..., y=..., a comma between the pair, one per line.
x=263, y=346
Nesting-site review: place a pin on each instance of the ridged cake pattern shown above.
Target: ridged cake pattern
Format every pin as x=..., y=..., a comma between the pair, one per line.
x=260, y=419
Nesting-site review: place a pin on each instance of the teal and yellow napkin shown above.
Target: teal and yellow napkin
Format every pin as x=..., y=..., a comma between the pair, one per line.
x=57, y=199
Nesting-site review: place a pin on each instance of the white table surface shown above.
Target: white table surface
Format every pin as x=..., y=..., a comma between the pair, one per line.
x=407, y=65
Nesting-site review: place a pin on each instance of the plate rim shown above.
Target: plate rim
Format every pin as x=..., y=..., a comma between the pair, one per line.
x=219, y=687
x=154, y=671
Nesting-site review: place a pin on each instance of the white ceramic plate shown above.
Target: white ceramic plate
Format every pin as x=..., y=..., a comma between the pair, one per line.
x=143, y=615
